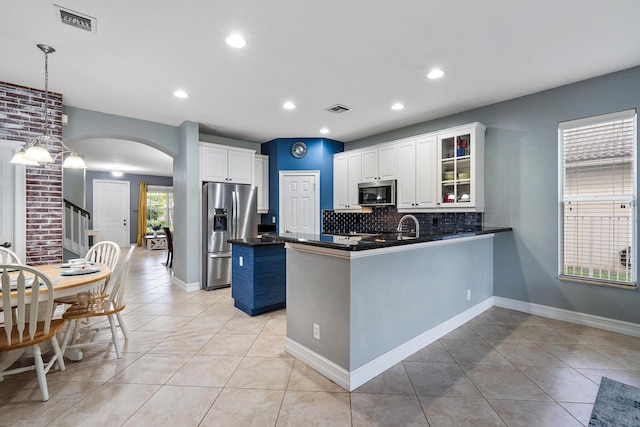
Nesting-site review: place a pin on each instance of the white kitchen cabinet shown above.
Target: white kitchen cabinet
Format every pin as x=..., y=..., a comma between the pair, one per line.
x=380, y=163
x=219, y=163
x=261, y=181
x=347, y=173
x=461, y=168
x=417, y=170
x=440, y=171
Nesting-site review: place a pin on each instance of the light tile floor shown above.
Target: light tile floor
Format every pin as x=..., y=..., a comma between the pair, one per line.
x=192, y=359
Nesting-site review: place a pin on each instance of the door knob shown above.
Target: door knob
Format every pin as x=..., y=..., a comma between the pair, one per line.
x=6, y=245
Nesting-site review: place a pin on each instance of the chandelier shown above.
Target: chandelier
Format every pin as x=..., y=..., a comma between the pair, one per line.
x=34, y=152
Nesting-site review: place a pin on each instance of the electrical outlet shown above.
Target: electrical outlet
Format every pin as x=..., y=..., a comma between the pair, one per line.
x=468, y=294
x=434, y=222
x=316, y=331
x=273, y=219
x=241, y=261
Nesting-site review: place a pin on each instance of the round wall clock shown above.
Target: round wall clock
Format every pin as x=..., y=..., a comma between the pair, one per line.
x=299, y=150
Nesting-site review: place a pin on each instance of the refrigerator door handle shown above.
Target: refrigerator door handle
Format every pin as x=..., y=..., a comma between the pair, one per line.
x=225, y=255
x=234, y=213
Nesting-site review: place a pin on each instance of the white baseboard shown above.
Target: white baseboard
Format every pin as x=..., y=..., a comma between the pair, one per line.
x=613, y=325
x=321, y=364
x=354, y=379
x=185, y=287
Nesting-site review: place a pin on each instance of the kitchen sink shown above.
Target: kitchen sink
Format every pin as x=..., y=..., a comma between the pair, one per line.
x=354, y=234
x=405, y=237
x=385, y=237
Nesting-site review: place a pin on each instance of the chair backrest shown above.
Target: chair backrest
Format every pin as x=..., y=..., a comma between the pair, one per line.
x=167, y=233
x=8, y=256
x=105, y=252
x=25, y=304
x=118, y=283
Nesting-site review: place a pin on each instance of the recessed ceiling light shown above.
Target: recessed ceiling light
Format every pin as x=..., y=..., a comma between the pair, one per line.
x=236, y=40
x=436, y=73
x=180, y=94
x=397, y=106
x=288, y=105
x=324, y=131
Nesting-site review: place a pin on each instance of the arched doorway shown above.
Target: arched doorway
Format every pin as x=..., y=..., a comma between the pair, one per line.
x=116, y=166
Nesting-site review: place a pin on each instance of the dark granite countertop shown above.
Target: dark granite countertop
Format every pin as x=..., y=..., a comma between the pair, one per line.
x=362, y=241
x=266, y=239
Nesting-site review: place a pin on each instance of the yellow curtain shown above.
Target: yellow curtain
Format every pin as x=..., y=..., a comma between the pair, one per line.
x=142, y=212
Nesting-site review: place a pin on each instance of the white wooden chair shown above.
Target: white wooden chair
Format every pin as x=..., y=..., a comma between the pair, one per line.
x=105, y=252
x=8, y=256
x=110, y=305
x=28, y=320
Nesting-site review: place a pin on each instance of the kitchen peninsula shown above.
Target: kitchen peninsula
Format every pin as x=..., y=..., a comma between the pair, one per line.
x=357, y=305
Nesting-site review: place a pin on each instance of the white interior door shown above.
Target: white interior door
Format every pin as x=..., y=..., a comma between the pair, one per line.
x=12, y=202
x=299, y=202
x=111, y=210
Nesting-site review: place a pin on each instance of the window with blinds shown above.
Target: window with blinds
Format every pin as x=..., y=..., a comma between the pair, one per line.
x=597, y=186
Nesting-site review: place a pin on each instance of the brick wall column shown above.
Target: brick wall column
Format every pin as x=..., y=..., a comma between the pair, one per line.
x=22, y=119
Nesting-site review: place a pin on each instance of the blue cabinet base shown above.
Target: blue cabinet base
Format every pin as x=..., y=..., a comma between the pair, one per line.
x=258, y=284
x=255, y=311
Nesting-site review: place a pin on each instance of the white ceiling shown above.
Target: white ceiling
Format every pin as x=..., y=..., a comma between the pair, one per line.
x=365, y=55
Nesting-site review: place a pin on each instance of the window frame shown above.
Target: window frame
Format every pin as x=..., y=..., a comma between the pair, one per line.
x=589, y=121
x=168, y=210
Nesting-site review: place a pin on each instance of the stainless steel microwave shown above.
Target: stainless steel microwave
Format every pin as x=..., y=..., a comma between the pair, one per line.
x=378, y=193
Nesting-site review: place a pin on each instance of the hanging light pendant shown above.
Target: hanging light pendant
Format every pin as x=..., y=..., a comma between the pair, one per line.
x=73, y=161
x=36, y=151
x=18, y=159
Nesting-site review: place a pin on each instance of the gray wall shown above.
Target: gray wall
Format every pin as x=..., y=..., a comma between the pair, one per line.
x=134, y=194
x=88, y=124
x=186, y=176
x=73, y=186
x=230, y=142
x=521, y=187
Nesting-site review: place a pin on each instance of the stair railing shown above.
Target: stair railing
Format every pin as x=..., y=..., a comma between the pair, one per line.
x=76, y=224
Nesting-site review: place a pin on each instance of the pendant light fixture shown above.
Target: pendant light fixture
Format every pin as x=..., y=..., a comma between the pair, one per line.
x=35, y=152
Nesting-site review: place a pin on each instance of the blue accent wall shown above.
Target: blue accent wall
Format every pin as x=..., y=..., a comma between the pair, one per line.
x=319, y=157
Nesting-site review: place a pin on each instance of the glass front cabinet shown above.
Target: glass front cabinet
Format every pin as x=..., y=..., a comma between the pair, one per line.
x=460, y=173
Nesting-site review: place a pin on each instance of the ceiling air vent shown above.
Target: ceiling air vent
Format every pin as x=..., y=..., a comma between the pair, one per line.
x=338, y=108
x=76, y=19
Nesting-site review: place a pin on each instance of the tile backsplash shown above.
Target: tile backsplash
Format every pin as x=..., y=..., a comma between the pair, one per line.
x=385, y=219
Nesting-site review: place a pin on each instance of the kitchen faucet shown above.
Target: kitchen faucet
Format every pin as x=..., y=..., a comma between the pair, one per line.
x=414, y=220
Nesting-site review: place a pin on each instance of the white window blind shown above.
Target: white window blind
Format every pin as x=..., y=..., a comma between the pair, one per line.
x=597, y=198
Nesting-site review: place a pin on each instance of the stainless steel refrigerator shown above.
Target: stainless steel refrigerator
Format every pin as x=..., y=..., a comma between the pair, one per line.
x=230, y=212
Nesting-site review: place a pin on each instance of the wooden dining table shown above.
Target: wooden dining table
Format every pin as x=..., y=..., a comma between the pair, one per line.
x=70, y=285
x=65, y=285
